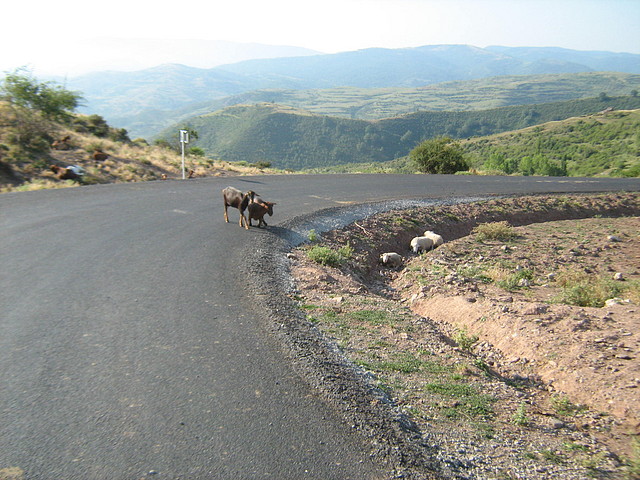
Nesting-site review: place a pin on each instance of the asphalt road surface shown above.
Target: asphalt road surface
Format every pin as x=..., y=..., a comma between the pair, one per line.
x=130, y=346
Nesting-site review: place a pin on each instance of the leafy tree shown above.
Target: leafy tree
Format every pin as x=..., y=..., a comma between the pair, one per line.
x=98, y=126
x=439, y=155
x=93, y=124
x=53, y=101
x=164, y=143
x=196, y=152
x=499, y=161
x=119, y=134
x=541, y=165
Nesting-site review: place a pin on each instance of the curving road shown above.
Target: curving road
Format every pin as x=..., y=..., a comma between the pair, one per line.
x=131, y=348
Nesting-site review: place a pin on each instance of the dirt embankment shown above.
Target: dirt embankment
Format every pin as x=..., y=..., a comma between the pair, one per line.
x=511, y=301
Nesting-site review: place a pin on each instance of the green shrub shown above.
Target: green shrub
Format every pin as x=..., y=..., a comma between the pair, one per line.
x=584, y=290
x=494, y=231
x=464, y=340
x=564, y=407
x=329, y=257
x=439, y=155
x=513, y=281
x=520, y=416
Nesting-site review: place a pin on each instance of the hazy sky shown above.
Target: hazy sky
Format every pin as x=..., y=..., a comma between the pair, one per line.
x=31, y=33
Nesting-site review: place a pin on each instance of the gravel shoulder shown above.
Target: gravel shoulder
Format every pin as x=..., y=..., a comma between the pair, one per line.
x=467, y=361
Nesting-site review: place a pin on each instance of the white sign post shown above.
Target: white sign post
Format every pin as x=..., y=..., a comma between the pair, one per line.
x=184, y=138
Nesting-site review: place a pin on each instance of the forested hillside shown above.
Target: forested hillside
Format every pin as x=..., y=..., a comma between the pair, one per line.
x=603, y=144
x=294, y=139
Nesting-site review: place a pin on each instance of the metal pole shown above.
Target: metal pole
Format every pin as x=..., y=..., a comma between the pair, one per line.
x=183, y=175
x=184, y=138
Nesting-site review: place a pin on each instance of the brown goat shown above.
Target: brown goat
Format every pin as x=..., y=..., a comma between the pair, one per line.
x=99, y=156
x=235, y=198
x=64, y=173
x=257, y=210
x=62, y=144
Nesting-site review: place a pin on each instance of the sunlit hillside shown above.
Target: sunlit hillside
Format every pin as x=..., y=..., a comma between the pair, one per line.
x=606, y=144
x=32, y=147
x=602, y=144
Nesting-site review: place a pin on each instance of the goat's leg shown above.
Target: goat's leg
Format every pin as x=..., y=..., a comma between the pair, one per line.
x=226, y=217
x=243, y=219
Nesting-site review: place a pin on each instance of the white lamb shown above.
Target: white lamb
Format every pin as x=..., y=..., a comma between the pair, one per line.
x=421, y=244
x=391, y=259
x=437, y=239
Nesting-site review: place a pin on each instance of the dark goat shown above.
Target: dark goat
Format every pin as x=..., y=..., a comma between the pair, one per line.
x=64, y=173
x=236, y=199
x=62, y=144
x=99, y=156
x=257, y=210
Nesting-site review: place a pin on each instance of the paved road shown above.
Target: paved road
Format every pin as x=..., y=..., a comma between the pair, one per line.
x=129, y=343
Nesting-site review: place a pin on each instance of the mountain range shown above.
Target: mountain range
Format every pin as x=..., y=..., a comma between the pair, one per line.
x=146, y=101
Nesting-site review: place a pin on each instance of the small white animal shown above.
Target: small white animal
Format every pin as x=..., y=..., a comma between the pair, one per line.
x=421, y=244
x=391, y=259
x=437, y=239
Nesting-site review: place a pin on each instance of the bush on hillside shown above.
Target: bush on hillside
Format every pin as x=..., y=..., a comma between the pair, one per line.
x=439, y=155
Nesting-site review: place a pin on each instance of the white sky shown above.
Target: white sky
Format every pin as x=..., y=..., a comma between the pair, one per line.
x=30, y=33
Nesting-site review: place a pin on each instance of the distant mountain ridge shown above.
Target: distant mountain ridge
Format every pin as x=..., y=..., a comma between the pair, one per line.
x=134, y=54
x=120, y=96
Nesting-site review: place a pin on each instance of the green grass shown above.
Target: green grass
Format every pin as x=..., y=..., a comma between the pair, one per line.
x=469, y=402
x=633, y=462
x=563, y=406
x=373, y=317
x=552, y=456
x=404, y=362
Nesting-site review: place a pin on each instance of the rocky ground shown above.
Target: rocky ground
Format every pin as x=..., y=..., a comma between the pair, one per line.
x=480, y=343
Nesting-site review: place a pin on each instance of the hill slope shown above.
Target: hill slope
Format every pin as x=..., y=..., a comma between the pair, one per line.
x=118, y=96
x=32, y=147
x=294, y=139
x=378, y=103
x=494, y=92
x=603, y=144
